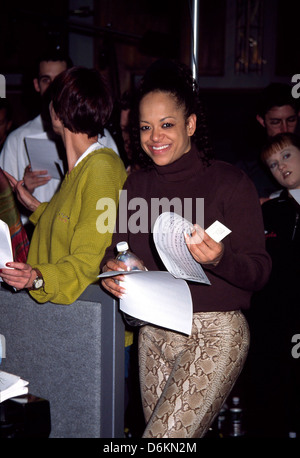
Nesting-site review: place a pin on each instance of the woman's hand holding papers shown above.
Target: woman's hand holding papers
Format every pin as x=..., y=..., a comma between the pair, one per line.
x=18, y=275
x=111, y=284
x=203, y=248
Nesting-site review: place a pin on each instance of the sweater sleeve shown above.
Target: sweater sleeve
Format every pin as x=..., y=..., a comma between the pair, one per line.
x=67, y=278
x=245, y=263
x=35, y=216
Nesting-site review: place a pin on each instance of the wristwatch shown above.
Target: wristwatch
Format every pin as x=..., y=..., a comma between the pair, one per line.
x=38, y=282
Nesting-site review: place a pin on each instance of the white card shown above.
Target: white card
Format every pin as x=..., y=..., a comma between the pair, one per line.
x=217, y=231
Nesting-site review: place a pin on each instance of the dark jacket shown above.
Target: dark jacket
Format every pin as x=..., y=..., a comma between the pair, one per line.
x=282, y=232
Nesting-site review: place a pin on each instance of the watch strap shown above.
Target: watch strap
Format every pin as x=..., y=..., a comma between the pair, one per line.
x=39, y=276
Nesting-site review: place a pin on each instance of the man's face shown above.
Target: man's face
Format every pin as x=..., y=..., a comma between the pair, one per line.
x=4, y=125
x=48, y=71
x=279, y=120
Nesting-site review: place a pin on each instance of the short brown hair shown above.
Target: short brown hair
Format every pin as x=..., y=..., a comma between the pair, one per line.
x=278, y=142
x=81, y=100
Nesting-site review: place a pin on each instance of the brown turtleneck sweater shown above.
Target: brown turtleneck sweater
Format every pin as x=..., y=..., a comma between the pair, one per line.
x=229, y=197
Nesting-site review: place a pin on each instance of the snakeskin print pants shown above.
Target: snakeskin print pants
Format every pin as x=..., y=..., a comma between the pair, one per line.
x=186, y=379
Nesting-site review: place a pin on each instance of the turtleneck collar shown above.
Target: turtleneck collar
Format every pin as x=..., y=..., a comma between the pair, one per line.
x=186, y=166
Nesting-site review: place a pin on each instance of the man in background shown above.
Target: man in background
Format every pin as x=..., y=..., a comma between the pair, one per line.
x=14, y=158
x=277, y=112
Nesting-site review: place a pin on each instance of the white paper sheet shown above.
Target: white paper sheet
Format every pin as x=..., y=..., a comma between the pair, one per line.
x=168, y=234
x=164, y=298
x=6, y=254
x=296, y=194
x=43, y=155
x=11, y=385
x=157, y=298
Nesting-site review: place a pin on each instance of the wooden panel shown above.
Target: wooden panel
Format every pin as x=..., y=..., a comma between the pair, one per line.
x=212, y=26
x=288, y=38
x=27, y=28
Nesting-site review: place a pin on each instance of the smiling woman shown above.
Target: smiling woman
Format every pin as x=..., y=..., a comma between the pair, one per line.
x=165, y=133
x=174, y=108
x=185, y=379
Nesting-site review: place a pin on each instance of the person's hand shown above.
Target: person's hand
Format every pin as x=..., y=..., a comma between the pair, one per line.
x=111, y=284
x=23, y=195
x=203, y=248
x=19, y=275
x=34, y=179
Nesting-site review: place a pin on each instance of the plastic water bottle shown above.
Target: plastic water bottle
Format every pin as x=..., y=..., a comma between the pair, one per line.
x=134, y=263
x=221, y=421
x=129, y=258
x=236, y=414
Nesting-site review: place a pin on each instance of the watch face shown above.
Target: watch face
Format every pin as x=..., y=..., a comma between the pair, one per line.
x=38, y=283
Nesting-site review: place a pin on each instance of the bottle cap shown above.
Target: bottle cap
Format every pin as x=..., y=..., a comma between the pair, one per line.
x=122, y=246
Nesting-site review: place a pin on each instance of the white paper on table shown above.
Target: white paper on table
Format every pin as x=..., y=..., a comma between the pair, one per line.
x=158, y=298
x=6, y=254
x=296, y=194
x=11, y=385
x=168, y=235
x=43, y=155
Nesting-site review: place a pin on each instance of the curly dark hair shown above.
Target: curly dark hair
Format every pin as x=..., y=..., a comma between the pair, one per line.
x=276, y=95
x=177, y=80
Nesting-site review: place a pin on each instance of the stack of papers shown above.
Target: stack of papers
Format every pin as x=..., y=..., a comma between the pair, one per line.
x=164, y=298
x=6, y=254
x=168, y=235
x=156, y=297
x=11, y=386
x=43, y=155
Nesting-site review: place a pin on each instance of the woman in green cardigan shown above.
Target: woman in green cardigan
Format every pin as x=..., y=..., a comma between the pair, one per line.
x=67, y=245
